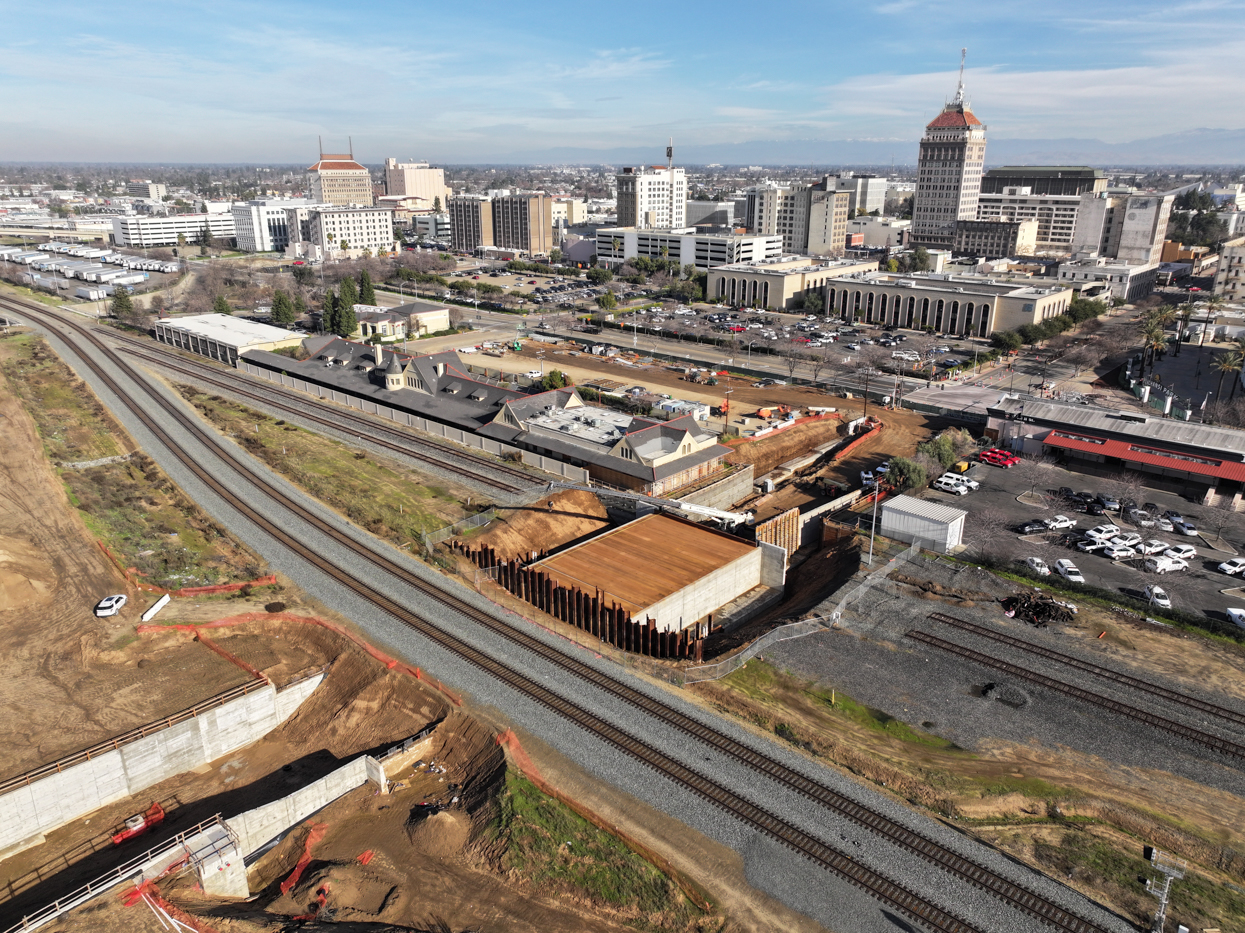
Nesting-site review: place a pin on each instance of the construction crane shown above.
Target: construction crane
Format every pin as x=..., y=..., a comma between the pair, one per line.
x=729, y=519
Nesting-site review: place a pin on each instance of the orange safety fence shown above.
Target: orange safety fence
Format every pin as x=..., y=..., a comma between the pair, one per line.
x=847, y=448
x=365, y=857
x=317, y=833
x=148, y=891
x=391, y=663
x=232, y=658
x=795, y=422
x=519, y=756
x=132, y=573
x=322, y=899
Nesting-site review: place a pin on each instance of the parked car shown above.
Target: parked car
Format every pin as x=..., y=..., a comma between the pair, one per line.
x=1153, y=546
x=1103, y=533
x=1069, y=571
x=951, y=486
x=1161, y=564
x=882, y=467
x=1065, y=492
x=1094, y=507
x=1184, y=528
x=1236, y=616
x=1181, y=552
x=1031, y=528
x=866, y=478
x=1127, y=540
x=1233, y=567
x=1118, y=552
x=109, y=605
x=1037, y=565
x=1059, y=522
x=1090, y=545
x=1139, y=518
x=963, y=480
x=1110, y=503
x=1152, y=508
x=1157, y=596
x=1163, y=524
x=535, y=374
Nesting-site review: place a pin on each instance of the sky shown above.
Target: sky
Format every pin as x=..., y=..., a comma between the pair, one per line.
x=490, y=82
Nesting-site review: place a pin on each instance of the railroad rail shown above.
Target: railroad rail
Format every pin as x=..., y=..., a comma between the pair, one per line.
x=1089, y=667
x=1196, y=736
x=884, y=889
x=303, y=406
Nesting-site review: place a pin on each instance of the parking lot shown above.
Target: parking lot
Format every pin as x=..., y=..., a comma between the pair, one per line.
x=1003, y=502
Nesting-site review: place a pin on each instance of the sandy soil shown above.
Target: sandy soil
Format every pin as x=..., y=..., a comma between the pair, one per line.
x=548, y=523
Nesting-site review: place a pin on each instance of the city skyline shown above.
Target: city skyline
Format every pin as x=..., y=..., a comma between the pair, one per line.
x=476, y=84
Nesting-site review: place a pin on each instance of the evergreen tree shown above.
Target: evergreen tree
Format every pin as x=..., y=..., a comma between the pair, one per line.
x=436, y=205
x=347, y=295
x=300, y=307
x=367, y=294
x=347, y=323
x=122, y=307
x=221, y=306
x=329, y=318
x=282, y=308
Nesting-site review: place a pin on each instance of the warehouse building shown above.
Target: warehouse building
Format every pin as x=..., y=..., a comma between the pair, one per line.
x=222, y=338
x=674, y=572
x=918, y=521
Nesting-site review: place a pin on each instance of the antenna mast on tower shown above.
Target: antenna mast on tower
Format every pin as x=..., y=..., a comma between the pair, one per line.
x=959, y=91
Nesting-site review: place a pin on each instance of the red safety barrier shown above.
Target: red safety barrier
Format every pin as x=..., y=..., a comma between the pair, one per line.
x=313, y=837
x=131, y=573
x=365, y=857
x=322, y=899
x=232, y=658
x=391, y=663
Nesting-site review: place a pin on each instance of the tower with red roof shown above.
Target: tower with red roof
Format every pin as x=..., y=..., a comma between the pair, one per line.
x=953, y=152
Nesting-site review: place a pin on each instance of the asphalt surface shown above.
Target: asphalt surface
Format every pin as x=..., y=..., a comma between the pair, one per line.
x=822, y=896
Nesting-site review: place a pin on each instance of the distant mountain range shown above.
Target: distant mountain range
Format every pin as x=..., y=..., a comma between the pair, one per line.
x=1190, y=148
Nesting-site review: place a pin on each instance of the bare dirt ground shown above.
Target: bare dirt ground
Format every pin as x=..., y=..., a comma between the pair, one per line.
x=548, y=523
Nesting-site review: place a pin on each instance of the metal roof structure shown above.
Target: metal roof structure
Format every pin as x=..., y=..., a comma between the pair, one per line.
x=923, y=508
x=230, y=331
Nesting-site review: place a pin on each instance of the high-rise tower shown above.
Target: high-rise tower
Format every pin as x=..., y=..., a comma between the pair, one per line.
x=953, y=151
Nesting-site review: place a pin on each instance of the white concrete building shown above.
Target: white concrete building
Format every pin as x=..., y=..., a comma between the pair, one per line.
x=865, y=192
x=615, y=245
x=263, y=225
x=351, y=231
x=151, y=191
x=652, y=197
x=1123, y=225
x=1096, y=276
x=147, y=230
x=952, y=154
x=879, y=232
x=221, y=337
x=1055, y=215
x=418, y=180
x=1229, y=282
x=339, y=179
x=431, y=225
x=569, y=212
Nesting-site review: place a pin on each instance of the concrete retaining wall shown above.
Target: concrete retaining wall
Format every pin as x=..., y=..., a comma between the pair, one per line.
x=256, y=827
x=710, y=592
x=724, y=493
x=29, y=812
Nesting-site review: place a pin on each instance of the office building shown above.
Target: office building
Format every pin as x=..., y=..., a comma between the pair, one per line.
x=971, y=305
x=1229, y=282
x=715, y=213
x=866, y=193
x=880, y=232
x=431, y=226
x=995, y=239
x=471, y=222
x=339, y=179
x=569, y=212
x=351, y=230
x=1102, y=277
x=263, y=225
x=779, y=284
x=615, y=245
x=523, y=222
x=147, y=189
x=652, y=197
x=809, y=218
x=1044, y=180
x=1123, y=225
x=417, y=180
x=148, y=230
x=952, y=154
x=1055, y=215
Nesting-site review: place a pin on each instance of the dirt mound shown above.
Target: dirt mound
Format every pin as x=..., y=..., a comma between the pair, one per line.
x=26, y=575
x=544, y=525
x=771, y=450
x=442, y=835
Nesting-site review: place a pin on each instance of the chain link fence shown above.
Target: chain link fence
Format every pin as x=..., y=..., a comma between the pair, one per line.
x=479, y=520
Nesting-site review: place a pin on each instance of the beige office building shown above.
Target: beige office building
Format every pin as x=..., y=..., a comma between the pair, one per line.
x=967, y=305
x=1124, y=225
x=652, y=197
x=523, y=222
x=339, y=179
x=471, y=222
x=952, y=153
x=1229, y=282
x=351, y=230
x=778, y=284
x=809, y=218
x=417, y=180
x=995, y=239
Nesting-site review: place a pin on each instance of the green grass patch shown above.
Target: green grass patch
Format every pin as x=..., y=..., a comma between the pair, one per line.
x=1034, y=788
x=558, y=852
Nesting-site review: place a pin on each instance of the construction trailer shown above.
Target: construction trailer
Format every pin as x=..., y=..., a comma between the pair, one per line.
x=930, y=524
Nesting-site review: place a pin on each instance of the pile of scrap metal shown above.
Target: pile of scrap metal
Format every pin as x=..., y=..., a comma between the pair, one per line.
x=1038, y=609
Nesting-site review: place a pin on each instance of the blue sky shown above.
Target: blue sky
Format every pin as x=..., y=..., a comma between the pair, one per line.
x=469, y=81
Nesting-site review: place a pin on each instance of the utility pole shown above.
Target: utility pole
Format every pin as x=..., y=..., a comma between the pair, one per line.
x=1172, y=869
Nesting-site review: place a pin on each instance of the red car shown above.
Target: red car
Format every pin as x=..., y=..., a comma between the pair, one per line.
x=997, y=457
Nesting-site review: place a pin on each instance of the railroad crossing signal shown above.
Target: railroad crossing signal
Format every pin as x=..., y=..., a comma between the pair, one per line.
x=1171, y=869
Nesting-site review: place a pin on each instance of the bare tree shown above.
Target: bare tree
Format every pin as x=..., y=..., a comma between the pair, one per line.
x=988, y=527
x=792, y=355
x=1034, y=469
x=1127, y=484
x=867, y=367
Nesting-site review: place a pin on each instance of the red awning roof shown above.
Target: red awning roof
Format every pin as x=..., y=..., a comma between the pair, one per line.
x=1137, y=452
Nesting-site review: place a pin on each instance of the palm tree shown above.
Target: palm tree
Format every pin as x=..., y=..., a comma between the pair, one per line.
x=1153, y=339
x=1186, y=314
x=1224, y=363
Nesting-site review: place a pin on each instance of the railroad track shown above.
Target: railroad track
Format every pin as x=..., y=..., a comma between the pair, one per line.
x=1197, y=736
x=885, y=889
x=302, y=406
x=1088, y=667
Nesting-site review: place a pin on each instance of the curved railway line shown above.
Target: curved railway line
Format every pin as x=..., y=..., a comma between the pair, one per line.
x=1189, y=733
x=878, y=885
x=408, y=444
x=1106, y=673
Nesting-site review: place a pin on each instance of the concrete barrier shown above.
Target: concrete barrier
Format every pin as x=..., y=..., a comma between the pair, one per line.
x=28, y=812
